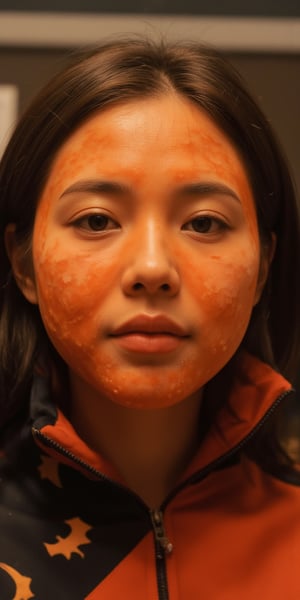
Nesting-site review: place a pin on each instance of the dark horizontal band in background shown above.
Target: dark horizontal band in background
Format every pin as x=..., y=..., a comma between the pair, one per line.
x=253, y=8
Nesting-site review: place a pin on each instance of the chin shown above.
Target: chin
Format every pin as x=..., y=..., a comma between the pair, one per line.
x=148, y=396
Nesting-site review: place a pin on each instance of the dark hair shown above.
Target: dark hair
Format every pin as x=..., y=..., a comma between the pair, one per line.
x=112, y=74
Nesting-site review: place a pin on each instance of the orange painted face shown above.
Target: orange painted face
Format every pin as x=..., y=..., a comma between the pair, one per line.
x=146, y=252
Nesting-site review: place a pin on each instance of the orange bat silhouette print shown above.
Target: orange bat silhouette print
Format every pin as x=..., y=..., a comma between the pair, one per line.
x=70, y=544
x=49, y=470
x=23, y=591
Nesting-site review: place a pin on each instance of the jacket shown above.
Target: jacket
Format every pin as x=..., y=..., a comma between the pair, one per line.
x=228, y=531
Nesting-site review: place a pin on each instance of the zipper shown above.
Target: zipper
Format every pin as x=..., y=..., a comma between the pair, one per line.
x=48, y=442
x=205, y=471
x=193, y=479
x=163, y=546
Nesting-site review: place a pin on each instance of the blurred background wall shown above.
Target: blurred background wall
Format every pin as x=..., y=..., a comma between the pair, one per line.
x=262, y=39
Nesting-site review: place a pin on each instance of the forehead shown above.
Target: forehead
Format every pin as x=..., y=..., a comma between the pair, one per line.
x=166, y=135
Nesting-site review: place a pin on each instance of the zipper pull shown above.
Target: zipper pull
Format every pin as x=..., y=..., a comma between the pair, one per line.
x=159, y=531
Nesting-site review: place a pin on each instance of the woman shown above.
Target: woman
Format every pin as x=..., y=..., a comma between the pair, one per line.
x=149, y=319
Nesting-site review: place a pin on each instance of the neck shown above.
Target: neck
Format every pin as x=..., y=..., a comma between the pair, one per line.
x=149, y=448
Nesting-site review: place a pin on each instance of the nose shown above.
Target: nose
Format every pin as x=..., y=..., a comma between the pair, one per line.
x=151, y=268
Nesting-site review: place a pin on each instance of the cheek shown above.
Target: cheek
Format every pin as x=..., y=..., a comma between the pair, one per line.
x=225, y=291
x=230, y=289
x=71, y=289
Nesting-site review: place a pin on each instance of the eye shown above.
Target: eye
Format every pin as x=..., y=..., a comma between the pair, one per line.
x=95, y=222
x=205, y=224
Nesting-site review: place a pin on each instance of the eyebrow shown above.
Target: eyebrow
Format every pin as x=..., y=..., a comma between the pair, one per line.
x=95, y=186
x=202, y=189
x=207, y=188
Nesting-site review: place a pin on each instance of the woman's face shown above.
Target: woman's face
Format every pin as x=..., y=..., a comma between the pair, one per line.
x=146, y=253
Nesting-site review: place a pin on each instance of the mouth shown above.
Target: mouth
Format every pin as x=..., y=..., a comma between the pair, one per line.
x=150, y=334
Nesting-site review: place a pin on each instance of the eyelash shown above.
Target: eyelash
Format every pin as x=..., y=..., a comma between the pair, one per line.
x=84, y=222
x=207, y=221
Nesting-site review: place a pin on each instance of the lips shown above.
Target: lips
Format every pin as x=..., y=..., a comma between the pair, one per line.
x=150, y=334
x=158, y=324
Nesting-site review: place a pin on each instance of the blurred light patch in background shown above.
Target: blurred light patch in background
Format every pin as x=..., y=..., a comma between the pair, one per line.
x=8, y=112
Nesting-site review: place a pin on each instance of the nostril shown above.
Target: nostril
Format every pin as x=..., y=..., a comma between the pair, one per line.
x=165, y=287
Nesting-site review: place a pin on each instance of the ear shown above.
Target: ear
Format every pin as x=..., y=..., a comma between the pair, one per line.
x=267, y=255
x=21, y=264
